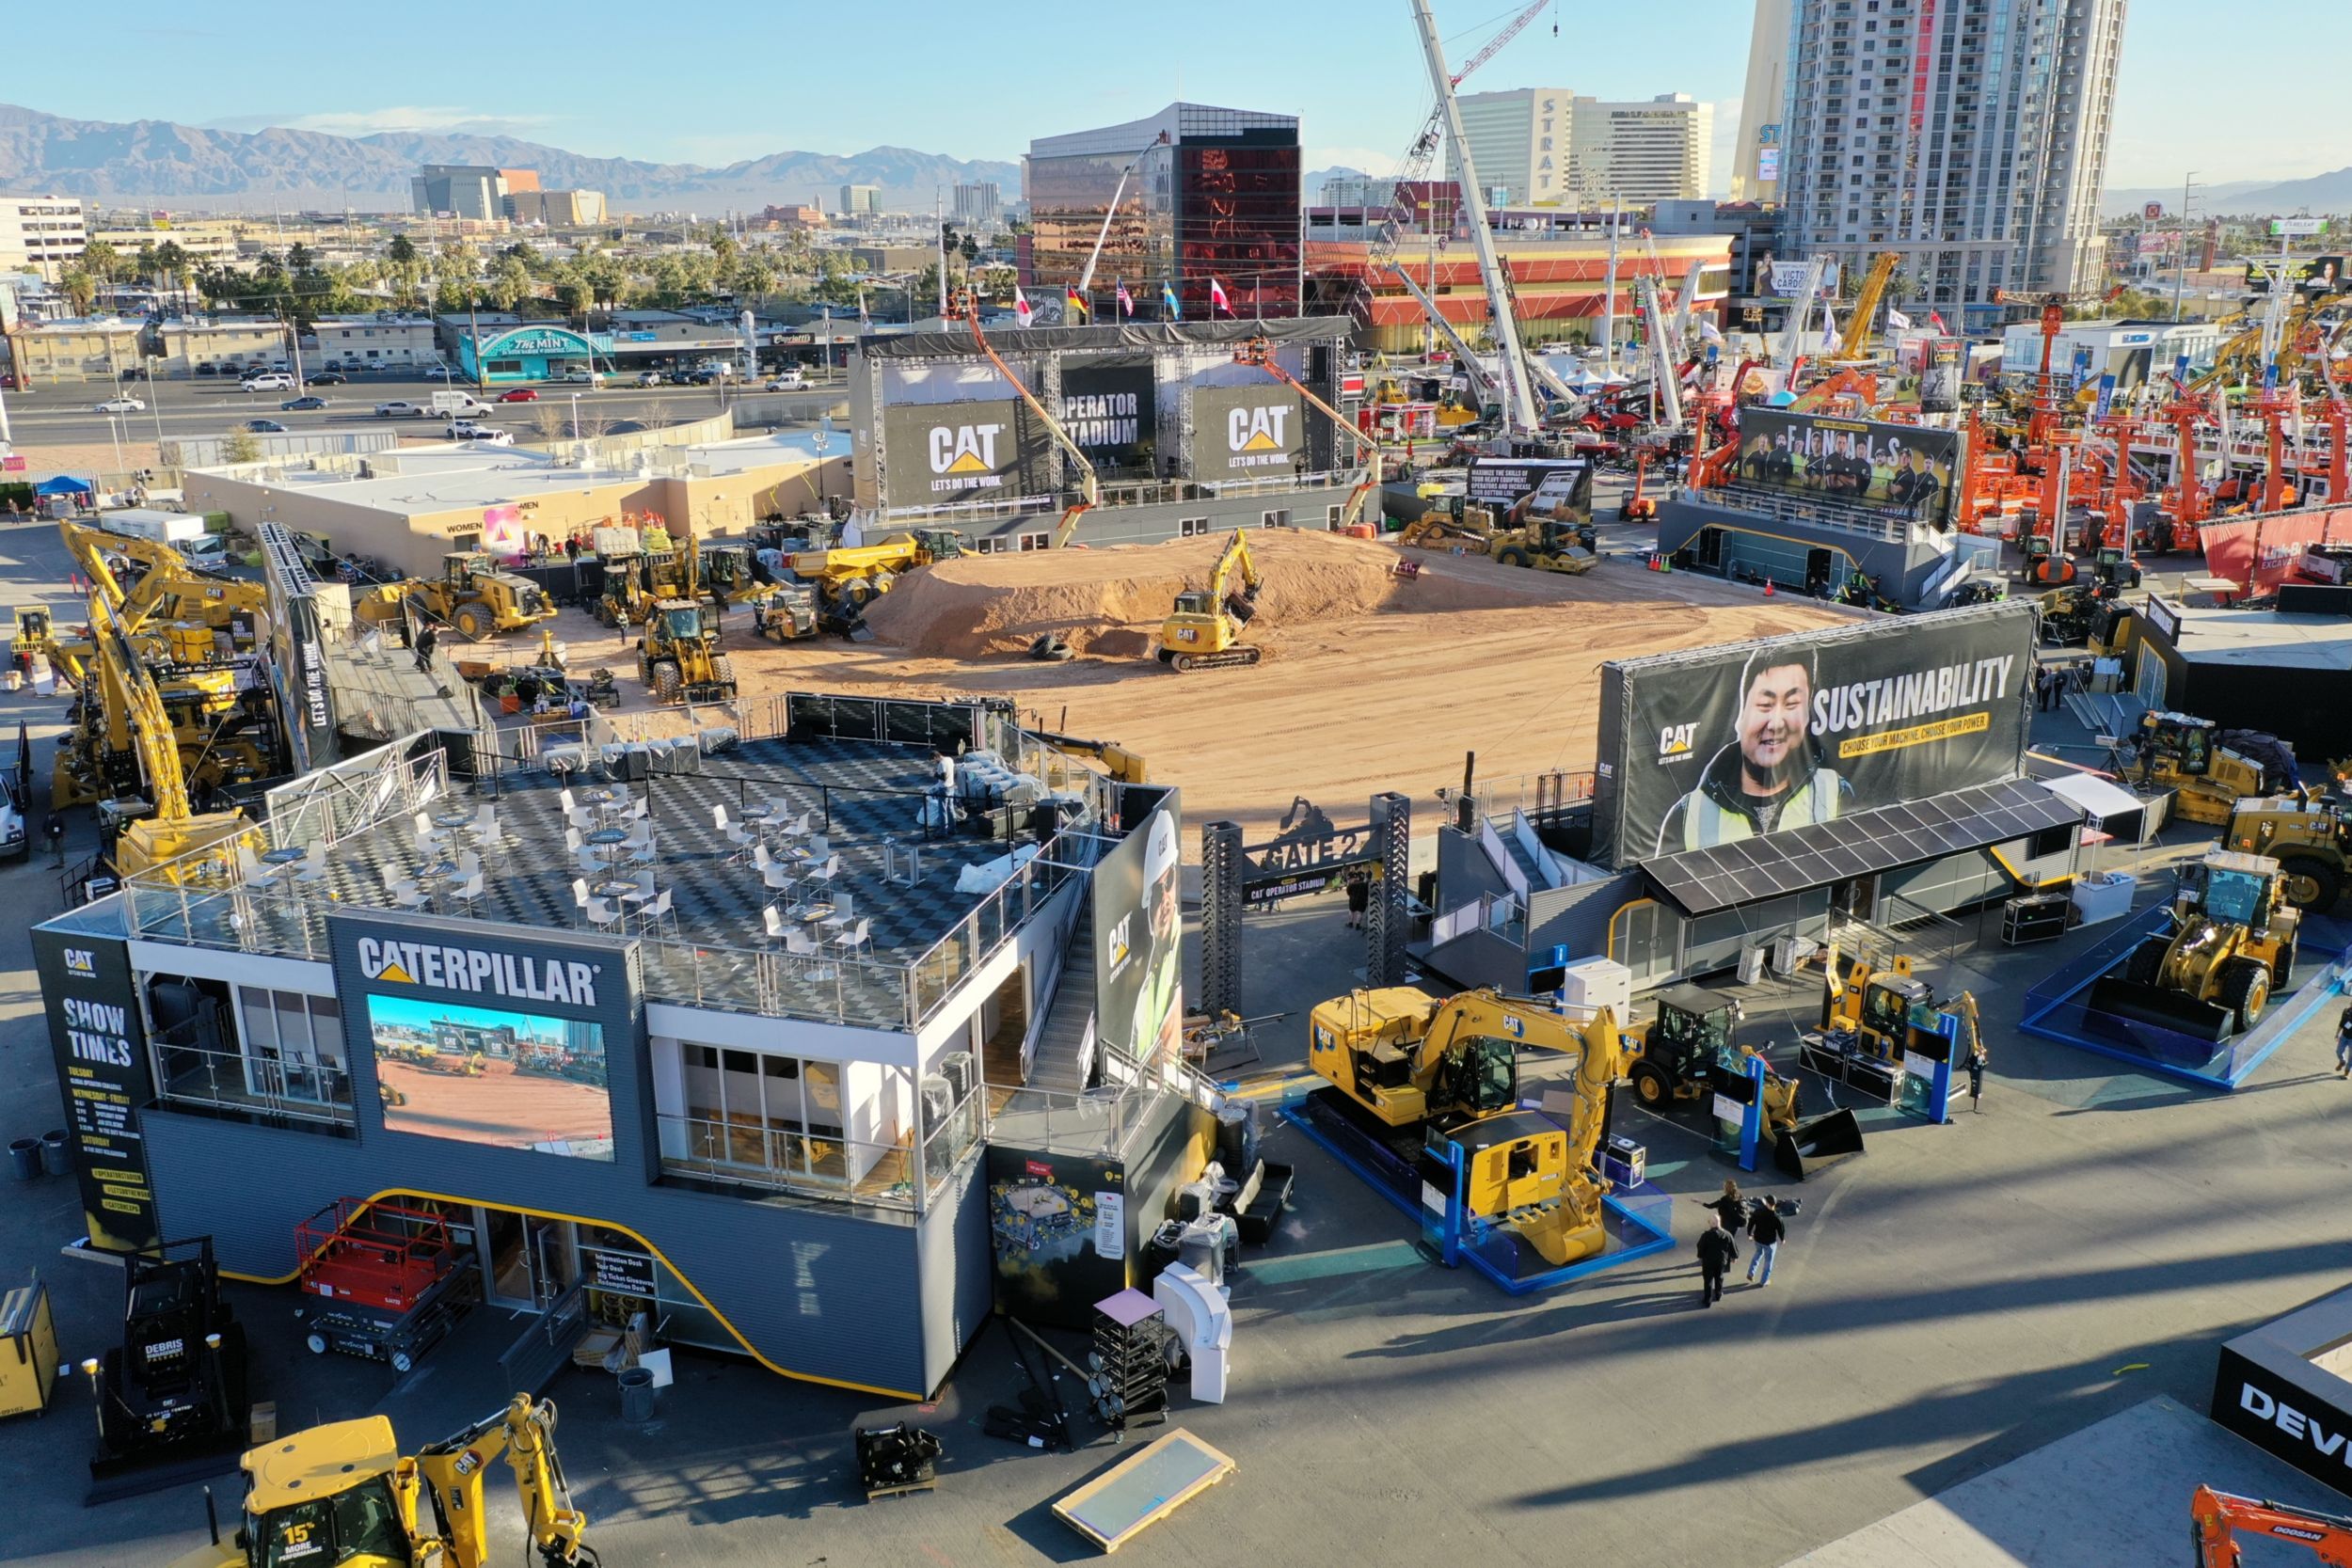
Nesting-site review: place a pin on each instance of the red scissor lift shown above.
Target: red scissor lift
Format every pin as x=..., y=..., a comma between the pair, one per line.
x=390, y=1279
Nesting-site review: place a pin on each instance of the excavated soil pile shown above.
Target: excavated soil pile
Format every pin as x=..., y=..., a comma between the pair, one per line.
x=1108, y=602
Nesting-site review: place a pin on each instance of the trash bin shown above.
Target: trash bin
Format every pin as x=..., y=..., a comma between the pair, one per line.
x=25, y=1158
x=637, y=1395
x=56, y=1153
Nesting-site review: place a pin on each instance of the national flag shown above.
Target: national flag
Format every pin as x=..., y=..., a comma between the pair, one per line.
x=1935, y=319
x=1897, y=320
x=1021, y=305
x=1217, y=300
x=1077, y=302
x=1126, y=300
x=1709, y=332
x=1167, y=298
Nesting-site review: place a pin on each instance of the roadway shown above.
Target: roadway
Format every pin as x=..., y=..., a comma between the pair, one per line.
x=65, y=414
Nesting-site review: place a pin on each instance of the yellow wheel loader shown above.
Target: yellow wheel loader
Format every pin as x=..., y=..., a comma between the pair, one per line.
x=2209, y=769
x=678, y=656
x=2228, y=946
x=2312, y=841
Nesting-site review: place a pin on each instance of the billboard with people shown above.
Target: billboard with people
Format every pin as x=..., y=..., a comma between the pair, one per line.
x=1901, y=470
x=1138, y=940
x=1718, y=745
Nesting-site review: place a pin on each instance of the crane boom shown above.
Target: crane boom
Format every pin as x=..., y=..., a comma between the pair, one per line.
x=1090, y=483
x=1259, y=352
x=1511, y=29
x=1520, y=413
x=1086, y=279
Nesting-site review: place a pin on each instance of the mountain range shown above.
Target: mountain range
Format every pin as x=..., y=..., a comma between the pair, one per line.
x=157, y=163
x=2321, y=193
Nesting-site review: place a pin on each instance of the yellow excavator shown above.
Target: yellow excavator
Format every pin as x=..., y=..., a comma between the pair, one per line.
x=1204, y=630
x=343, y=1496
x=136, y=842
x=166, y=587
x=1420, y=1069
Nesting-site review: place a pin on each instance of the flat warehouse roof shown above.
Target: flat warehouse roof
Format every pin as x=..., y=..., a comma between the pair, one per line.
x=2265, y=638
x=1701, y=881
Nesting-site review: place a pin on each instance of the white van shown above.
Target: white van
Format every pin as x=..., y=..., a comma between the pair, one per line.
x=268, y=381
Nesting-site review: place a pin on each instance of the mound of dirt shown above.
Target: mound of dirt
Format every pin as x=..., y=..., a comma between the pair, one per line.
x=1108, y=602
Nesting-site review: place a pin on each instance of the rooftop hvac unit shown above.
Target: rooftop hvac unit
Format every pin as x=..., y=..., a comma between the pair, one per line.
x=961, y=1072
x=939, y=1102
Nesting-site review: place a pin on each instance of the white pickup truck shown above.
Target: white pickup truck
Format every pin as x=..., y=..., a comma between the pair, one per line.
x=466, y=430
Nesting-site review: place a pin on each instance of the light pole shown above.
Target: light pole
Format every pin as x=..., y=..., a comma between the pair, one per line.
x=114, y=432
x=2180, y=270
x=575, y=416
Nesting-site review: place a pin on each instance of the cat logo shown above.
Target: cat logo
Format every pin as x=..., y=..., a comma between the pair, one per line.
x=393, y=971
x=964, y=449
x=1675, y=741
x=1256, y=429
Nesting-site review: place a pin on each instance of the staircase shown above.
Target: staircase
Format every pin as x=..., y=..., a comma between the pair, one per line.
x=1061, y=1063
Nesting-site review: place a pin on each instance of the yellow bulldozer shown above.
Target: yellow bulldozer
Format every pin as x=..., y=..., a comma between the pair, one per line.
x=1204, y=630
x=2208, y=768
x=1448, y=520
x=1417, y=1069
x=2228, y=945
x=342, y=1494
x=473, y=596
x=2311, y=839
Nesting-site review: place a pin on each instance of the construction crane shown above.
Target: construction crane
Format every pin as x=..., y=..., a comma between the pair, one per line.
x=1854, y=346
x=1521, y=414
x=966, y=305
x=1086, y=279
x=1258, y=352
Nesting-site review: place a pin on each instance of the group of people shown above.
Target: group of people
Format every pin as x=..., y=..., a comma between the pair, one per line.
x=1729, y=1217
x=1834, y=464
x=2049, y=687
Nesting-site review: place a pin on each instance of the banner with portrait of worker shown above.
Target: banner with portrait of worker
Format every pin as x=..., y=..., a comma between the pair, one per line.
x=1898, y=469
x=1717, y=745
x=1138, y=941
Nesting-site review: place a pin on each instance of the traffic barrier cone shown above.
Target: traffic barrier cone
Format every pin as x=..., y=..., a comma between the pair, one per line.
x=1767, y=587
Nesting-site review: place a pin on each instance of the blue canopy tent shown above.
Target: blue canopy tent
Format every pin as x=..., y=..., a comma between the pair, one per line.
x=65, y=484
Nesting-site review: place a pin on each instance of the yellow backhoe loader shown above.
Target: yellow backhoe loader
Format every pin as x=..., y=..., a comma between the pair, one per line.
x=1417, y=1069
x=2228, y=946
x=1204, y=630
x=343, y=1496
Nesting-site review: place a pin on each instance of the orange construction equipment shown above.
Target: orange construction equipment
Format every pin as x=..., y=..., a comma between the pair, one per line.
x=1637, y=506
x=1258, y=352
x=2218, y=1517
x=966, y=305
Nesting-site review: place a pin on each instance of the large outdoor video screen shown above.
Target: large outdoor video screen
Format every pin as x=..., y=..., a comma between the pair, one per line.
x=1900, y=469
x=483, y=1075
x=1717, y=745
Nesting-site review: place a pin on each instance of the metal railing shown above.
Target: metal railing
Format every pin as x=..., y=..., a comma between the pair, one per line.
x=1894, y=528
x=813, y=1164
x=300, y=1089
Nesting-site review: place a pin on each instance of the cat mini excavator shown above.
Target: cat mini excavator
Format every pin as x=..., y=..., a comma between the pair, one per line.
x=1204, y=630
x=1416, y=1071
x=343, y=1496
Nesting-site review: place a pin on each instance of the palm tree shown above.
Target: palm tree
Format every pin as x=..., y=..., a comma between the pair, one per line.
x=81, y=289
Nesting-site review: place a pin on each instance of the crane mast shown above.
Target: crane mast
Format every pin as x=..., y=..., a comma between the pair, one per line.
x=1520, y=413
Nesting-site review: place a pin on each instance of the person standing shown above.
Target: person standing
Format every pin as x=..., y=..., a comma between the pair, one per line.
x=1731, y=1210
x=1975, y=1070
x=1717, y=1252
x=426, y=638
x=53, y=830
x=2343, y=1040
x=1358, y=899
x=1767, y=1230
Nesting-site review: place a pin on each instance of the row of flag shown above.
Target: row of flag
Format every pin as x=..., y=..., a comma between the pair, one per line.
x=1075, y=302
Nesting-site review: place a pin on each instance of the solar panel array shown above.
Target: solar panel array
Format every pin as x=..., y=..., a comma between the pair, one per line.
x=1701, y=881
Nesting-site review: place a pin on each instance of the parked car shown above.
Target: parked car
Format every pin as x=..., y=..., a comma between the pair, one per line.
x=439, y=372
x=400, y=410
x=263, y=427
x=583, y=378
x=650, y=378
x=788, y=381
x=268, y=381
x=207, y=368
x=330, y=378
x=120, y=406
x=519, y=394
x=466, y=430
x=292, y=403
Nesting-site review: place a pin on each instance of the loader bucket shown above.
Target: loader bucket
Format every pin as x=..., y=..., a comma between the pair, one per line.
x=1816, y=1144
x=2173, y=1010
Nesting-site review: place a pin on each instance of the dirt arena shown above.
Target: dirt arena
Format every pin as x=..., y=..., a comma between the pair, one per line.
x=1369, y=683
x=511, y=1109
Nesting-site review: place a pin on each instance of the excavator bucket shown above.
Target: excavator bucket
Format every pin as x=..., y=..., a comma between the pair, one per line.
x=2175, y=1010
x=1558, y=1237
x=1812, y=1146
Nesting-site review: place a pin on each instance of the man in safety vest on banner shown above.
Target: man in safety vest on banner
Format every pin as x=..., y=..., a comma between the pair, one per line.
x=1771, y=776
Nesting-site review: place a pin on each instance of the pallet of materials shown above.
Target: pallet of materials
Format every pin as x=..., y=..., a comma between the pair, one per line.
x=1142, y=1489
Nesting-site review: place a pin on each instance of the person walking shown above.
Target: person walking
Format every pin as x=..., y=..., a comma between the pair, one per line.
x=1731, y=1210
x=1975, y=1070
x=426, y=638
x=2344, y=1041
x=1767, y=1230
x=53, y=830
x=1717, y=1252
x=1358, y=899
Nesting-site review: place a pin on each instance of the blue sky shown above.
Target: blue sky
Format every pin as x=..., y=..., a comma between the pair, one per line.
x=723, y=80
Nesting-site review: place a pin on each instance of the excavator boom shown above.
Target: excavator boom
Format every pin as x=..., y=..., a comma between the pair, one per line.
x=2216, y=1518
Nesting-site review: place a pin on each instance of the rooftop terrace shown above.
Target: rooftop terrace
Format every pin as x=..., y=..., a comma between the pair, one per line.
x=898, y=873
